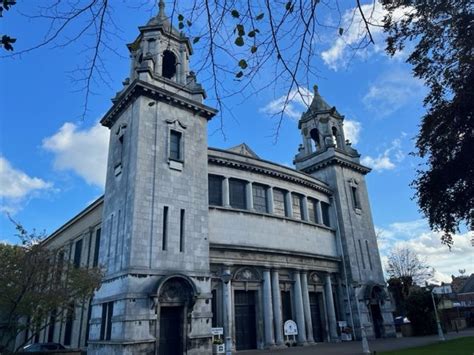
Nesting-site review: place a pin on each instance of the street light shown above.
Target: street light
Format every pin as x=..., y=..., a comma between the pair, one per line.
x=225, y=277
x=365, y=343
x=440, y=331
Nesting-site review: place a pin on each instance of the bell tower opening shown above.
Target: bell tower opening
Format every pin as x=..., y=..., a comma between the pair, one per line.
x=169, y=65
x=335, y=137
x=316, y=142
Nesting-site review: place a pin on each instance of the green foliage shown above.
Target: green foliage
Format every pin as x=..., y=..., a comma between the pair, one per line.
x=235, y=13
x=36, y=281
x=239, y=41
x=6, y=41
x=442, y=33
x=420, y=312
x=400, y=288
x=461, y=346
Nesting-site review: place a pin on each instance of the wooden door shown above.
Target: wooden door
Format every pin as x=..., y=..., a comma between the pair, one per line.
x=171, y=331
x=315, y=303
x=245, y=322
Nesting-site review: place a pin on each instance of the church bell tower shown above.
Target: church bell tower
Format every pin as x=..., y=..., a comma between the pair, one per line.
x=154, y=249
x=328, y=156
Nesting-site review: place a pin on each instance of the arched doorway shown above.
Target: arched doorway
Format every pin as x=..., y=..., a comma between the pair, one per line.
x=175, y=298
x=375, y=296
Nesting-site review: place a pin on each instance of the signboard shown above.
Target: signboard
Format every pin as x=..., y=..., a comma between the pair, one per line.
x=342, y=324
x=290, y=328
x=217, y=331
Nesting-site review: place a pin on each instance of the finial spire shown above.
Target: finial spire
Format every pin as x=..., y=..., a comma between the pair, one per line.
x=161, y=6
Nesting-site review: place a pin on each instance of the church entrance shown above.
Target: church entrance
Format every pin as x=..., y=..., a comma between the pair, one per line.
x=175, y=297
x=171, y=332
x=377, y=320
x=245, y=320
x=315, y=304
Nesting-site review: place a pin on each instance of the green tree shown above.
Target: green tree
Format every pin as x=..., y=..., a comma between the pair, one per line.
x=38, y=286
x=442, y=33
x=420, y=312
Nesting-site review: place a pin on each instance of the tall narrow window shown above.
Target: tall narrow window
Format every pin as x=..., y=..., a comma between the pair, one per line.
x=69, y=323
x=368, y=254
x=237, y=194
x=325, y=214
x=181, y=231
x=95, y=261
x=259, y=198
x=77, y=253
x=279, y=202
x=312, y=210
x=164, y=241
x=175, y=145
x=361, y=254
x=355, y=196
x=51, y=327
x=297, y=206
x=215, y=190
x=106, y=321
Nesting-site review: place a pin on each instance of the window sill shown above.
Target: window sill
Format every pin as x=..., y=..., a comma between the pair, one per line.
x=175, y=164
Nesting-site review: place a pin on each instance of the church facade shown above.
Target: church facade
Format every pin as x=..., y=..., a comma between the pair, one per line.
x=192, y=237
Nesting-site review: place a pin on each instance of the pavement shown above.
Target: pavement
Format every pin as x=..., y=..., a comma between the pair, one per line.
x=355, y=347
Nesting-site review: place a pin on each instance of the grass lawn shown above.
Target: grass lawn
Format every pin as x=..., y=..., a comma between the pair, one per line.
x=460, y=346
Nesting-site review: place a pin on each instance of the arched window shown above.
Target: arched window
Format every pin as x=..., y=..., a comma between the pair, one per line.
x=335, y=137
x=314, y=134
x=169, y=64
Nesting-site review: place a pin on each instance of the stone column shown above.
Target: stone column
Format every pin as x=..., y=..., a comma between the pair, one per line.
x=319, y=213
x=307, y=308
x=330, y=308
x=277, y=308
x=268, y=309
x=270, y=199
x=299, y=309
x=249, y=196
x=227, y=303
x=288, y=204
x=225, y=192
x=305, y=209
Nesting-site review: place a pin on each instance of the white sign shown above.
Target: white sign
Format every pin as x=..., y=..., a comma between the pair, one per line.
x=290, y=328
x=217, y=331
x=342, y=324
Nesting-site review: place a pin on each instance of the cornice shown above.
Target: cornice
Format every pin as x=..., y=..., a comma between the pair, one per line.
x=337, y=161
x=235, y=164
x=139, y=87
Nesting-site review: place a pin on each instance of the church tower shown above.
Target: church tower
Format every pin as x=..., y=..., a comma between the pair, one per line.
x=328, y=156
x=155, y=296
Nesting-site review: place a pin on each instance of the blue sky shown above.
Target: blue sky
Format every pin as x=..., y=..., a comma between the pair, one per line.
x=52, y=162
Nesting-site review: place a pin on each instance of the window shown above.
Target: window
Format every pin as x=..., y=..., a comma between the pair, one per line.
x=355, y=196
x=69, y=323
x=335, y=136
x=106, y=321
x=181, y=231
x=95, y=261
x=237, y=193
x=175, y=145
x=297, y=206
x=361, y=254
x=368, y=254
x=312, y=210
x=279, y=202
x=325, y=214
x=215, y=190
x=314, y=133
x=51, y=327
x=259, y=198
x=169, y=64
x=77, y=253
x=164, y=241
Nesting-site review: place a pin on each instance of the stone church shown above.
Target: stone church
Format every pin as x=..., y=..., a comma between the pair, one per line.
x=192, y=237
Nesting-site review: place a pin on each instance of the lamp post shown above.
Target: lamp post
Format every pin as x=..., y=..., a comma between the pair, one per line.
x=440, y=331
x=225, y=277
x=365, y=343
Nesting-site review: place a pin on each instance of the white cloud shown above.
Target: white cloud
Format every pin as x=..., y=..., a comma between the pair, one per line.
x=352, y=130
x=388, y=159
x=292, y=105
x=82, y=151
x=417, y=236
x=354, y=40
x=15, y=186
x=391, y=91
